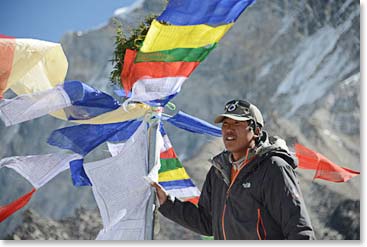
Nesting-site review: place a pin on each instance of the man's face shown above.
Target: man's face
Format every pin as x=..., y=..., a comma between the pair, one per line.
x=236, y=136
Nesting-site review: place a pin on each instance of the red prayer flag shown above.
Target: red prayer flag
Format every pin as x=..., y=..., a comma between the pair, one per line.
x=193, y=200
x=168, y=154
x=132, y=72
x=325, y=169
x=9, y=209
x=7, y=49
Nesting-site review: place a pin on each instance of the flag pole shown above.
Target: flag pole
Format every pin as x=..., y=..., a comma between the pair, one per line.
x=154, y=122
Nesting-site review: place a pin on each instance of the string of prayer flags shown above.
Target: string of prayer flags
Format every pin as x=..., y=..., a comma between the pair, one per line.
x=176, y=42
x=78, y=101
x=172, y=176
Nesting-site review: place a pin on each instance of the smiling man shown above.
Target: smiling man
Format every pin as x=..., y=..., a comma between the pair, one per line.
x=251, y=191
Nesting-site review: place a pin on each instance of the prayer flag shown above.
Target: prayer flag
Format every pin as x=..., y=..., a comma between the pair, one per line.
x=325, y=169
x=195, y=125
x=9, y=209
x=147, y=90
x=121, y=114
x=162, y=37
x=86, y=101
x=133, y=72
x=83, y=138
x=78, y=175
x=7, y=50
x=172, y=175
x=29, y=66
x=210, y=12
x=176, y=174
x=176, y=55
x=79, y=101
x=39, y=169
x=30, y=106
x=120, y=189
x=177, y=184
x=161, y=102
x=36, y=65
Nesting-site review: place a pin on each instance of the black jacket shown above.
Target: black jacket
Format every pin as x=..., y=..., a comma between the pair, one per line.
x=264, y=202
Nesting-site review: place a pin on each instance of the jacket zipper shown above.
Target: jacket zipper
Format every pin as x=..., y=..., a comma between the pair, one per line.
x=260, y=221
x=227, y=194
x=224, y=211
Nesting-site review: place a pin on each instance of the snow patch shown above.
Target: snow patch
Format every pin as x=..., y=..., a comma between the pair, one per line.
x=265, y=70
x=287, y=23
x=319, y=63
x=333, y=137
x=124, y=11
x=344, y=7
x=313, y=51
x=351, y=80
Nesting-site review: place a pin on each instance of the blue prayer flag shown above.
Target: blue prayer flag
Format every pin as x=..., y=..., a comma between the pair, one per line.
x=177, y=184
x=122, y=93
x=210, y=12
x=87, y=102
x=161, y=102
x=83, y=138
x=78, y=175
x=185, y=121
x=162, y=130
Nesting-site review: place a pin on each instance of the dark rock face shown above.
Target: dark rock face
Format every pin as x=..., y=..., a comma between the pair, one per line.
x=85, y=224
x=341, y=224
x=345, y=219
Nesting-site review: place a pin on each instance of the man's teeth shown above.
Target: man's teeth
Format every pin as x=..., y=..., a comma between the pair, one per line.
x=230, y=138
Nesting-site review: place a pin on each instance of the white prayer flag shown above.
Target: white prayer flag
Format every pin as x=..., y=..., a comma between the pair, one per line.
x=115, y=148
x=185, y=192
x=30, y=106
x=39, y=169
x=153, y=173
x=120, y=190
x=156, y=88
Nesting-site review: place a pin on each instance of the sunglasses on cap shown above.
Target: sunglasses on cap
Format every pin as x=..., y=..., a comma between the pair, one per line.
x=240, y=106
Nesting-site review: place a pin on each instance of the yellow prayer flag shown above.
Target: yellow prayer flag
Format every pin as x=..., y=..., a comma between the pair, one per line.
x=119, y=115
x=37, y=65
x=165, y=37
x=176, y=174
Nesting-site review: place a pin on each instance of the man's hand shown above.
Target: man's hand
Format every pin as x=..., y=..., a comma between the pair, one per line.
x=161, y=193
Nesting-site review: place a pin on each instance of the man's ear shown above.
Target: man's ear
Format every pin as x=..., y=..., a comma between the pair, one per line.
x=257, y=132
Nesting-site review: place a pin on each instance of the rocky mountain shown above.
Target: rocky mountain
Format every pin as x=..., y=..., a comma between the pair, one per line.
x=338, y=224
x=298, y=61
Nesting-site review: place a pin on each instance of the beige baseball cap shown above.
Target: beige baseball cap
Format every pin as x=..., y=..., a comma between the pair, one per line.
x=241, y=110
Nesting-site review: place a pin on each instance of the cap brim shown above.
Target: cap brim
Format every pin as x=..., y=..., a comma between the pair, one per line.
x=221, y=117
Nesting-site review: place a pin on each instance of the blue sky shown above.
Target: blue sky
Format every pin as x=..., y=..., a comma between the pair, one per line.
x=50, y=19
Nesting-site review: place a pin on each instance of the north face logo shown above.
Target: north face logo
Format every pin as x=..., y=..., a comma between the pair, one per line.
x=246, y=185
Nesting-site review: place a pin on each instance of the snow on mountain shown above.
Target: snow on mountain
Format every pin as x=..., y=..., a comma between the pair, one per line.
x=318, y=55
x=125, y=11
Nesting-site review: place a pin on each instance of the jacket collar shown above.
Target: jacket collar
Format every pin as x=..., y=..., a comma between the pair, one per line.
x=265, y=145
x=222, y=164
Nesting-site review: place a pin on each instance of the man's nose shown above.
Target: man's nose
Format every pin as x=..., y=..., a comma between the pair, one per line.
x=228, y=129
